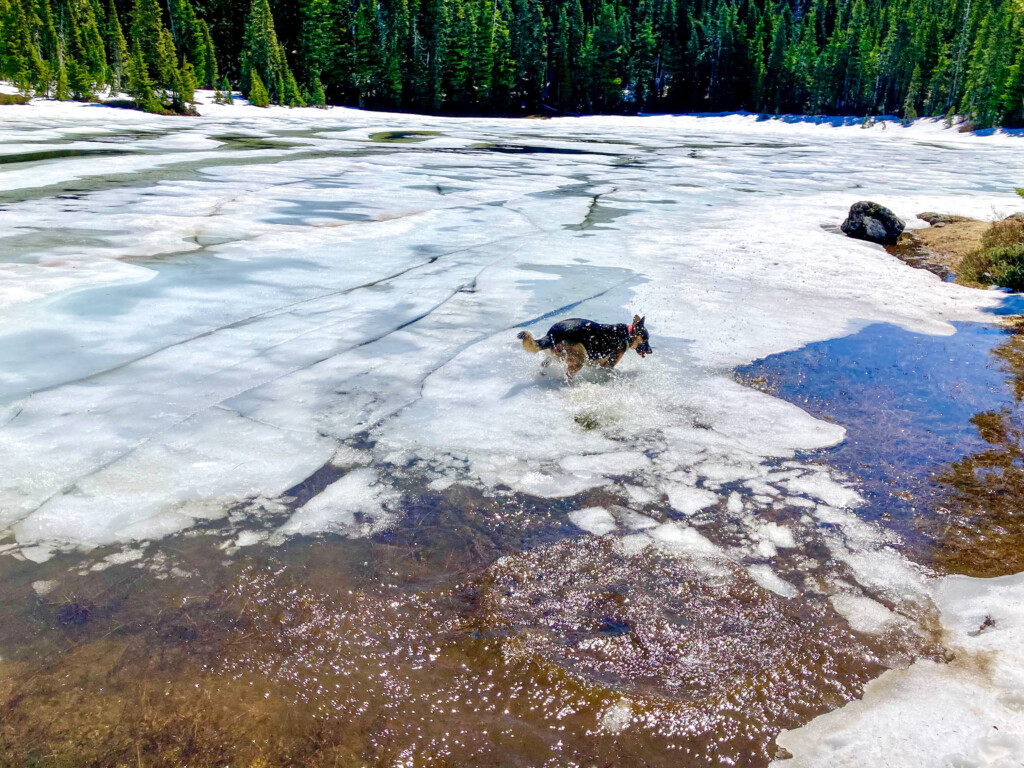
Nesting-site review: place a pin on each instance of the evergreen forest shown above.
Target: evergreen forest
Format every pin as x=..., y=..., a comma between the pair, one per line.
x=843, y=57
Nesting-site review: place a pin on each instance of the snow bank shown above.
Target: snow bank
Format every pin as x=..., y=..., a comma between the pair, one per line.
x=967, y=713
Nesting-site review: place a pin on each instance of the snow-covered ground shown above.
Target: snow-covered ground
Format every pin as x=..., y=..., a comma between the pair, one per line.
x=196, y=314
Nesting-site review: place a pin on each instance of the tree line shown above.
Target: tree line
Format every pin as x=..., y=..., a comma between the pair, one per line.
x=847, y=57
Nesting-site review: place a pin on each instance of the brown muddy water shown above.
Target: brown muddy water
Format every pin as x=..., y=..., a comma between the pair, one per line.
x=477, y=633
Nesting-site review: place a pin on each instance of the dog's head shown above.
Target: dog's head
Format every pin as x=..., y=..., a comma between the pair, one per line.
x=639, y=338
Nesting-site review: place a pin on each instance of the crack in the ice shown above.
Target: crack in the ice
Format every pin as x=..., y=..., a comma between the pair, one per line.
x=15, y=415
x=243, y=322
x=71, y=486
x=484, y=337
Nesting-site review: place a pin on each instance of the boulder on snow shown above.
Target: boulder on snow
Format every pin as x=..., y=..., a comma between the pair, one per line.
x=873, y=222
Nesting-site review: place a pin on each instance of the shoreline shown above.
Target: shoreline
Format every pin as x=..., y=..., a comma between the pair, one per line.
x=206, y=107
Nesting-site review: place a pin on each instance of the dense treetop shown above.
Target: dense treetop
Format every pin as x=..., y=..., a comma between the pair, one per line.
x=850, y=57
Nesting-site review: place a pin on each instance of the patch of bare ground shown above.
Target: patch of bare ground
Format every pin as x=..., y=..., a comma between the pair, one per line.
x=953, y=246
x=941, y=247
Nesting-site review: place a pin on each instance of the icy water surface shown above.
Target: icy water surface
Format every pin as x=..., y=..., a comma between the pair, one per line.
x=280, y=485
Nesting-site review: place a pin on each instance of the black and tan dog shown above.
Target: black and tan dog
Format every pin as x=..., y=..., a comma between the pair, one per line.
x=580, y=342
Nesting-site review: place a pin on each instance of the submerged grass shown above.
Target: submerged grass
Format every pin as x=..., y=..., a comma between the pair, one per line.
x=979, y=527
x=283, y=667
x=480, y=632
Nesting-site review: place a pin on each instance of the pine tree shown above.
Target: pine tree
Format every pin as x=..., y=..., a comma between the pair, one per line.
x=642, y=61
x=913, y=96
x=166, y=72
x=139, y=83
x=560, y=79
x=117, y=48
x=62, y=91
x=460, y=53
x=292, y=96
x=20, y=61
x=1013, y=91
x=262, y=52
x=258, y=95
x=503, y=73
x=209, y=73
x=529, y=50
x=223, y=95
x=146, y=28
x=609, y=50
x=482, y=65
x=316, y=96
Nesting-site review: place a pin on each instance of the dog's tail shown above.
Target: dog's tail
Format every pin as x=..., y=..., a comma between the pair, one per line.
x=531, y=344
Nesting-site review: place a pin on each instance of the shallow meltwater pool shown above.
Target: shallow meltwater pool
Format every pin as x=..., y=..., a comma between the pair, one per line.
x=281, y=487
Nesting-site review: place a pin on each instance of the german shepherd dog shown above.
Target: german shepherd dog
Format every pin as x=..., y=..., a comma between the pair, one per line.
x=580, y=342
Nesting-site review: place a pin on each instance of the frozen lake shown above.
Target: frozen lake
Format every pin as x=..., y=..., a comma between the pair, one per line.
x=267, y=325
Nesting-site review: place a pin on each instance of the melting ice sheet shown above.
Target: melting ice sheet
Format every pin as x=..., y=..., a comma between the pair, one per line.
x=194, y=326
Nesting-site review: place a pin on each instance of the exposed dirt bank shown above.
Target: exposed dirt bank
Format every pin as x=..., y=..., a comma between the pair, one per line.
x=943, y=246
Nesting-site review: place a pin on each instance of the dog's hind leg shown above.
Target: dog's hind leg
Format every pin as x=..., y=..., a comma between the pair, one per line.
x=574, y=359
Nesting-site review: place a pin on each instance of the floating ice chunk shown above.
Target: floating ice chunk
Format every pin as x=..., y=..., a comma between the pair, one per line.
x=619, y=463
x=735, y=503
x=250, y=538
x=634, y=520
x=353, y=505
x=617, y=716
x=683, y=540
x=44, y=587
x=633, y=544
x=821, y=486
x=883, y=569
x=779, y=535
x=761, y=488
x=640, y=495
x=766, y=549
x=689, y=500
x=347, y=456
x=595, y=520
x=552, y=486
x=38, y=554
x=442, y=482
x=129, y=555
x=863, y=613
x=767, y=578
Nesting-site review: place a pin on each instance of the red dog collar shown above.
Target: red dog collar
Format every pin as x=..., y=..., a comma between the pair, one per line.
x=629, y=328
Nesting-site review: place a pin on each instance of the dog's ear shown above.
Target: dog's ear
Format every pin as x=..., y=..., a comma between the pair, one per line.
x=637, y=320
x=639, y=323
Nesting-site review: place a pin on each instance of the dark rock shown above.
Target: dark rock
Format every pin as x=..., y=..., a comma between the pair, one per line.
x=873, y=222
x=941, y=219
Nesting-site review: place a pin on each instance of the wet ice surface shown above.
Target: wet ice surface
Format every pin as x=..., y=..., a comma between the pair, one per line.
x=286, y=323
